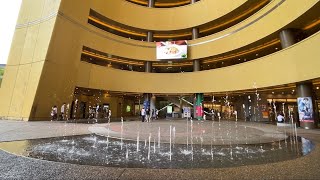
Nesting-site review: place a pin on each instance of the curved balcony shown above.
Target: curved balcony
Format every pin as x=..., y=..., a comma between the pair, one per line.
x=294, y=64
x=158, y=19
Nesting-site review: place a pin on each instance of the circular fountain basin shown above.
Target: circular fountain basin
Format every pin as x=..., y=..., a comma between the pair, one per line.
x=103, y=151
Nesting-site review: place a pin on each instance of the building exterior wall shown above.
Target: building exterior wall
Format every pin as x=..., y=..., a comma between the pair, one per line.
x=44, y=64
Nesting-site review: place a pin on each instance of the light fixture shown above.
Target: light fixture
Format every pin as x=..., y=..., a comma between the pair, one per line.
x=317, y=88
x=272, y=92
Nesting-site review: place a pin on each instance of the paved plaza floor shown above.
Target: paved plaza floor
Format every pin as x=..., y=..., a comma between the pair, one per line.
x=224, y=133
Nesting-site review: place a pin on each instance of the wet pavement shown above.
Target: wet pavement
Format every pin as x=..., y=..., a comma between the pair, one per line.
x=18, y=167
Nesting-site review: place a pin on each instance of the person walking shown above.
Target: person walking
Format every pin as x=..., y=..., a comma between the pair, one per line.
x=280, y=118
x=148, y=115
x=152, y=114
x=62, y=111
x=55, y=112
x=143, y=114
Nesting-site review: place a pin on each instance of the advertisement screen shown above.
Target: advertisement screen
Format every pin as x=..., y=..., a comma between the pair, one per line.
x=172, y=49
x=305, y=109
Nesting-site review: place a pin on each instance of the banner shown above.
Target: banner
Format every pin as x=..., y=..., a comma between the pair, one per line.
x=172, y=49
x=169, y=109
x=305, y=109
x=186, y=112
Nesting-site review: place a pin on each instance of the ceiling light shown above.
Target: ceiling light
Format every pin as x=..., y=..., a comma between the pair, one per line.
x=272, y=92
x=317, y=87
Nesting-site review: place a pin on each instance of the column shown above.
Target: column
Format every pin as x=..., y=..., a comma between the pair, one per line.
x=151, y=3
x=196, y=63
x=148, y=67
x=147, y=97
x=287, y=38
x=199, y=106
x=146, y=101
x=152, y=104
x=148, y=64
x=306, y=108
x=149, y=36
x=193, y=1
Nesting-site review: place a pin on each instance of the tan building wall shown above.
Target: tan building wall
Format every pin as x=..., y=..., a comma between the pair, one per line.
x=27, y=57
x=44, y=63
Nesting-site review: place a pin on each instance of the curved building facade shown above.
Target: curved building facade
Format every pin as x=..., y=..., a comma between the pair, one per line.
x=259, y=54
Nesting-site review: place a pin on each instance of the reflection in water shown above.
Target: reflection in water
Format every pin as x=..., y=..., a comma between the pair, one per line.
x=103, y=151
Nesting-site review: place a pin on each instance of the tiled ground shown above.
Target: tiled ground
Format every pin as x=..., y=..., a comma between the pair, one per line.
x=16, y=167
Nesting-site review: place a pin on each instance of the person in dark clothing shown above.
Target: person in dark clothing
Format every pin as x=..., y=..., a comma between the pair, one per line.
x=148, y=115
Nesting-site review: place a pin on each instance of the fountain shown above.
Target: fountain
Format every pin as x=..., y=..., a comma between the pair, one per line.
x=138, y=142
x=206, y=144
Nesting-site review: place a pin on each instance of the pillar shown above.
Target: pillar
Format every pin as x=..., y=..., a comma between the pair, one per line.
x=193, y=1
x=151, y=3
x=196, y=63
x=146, y=100
x=306, y=108
x=149, y=36
x=199, y=106
x=152, y=104
x=287, y=38
x=148, y=66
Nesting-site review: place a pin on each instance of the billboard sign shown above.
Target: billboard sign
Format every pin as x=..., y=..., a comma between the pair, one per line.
x=172, y=49
x=305, y=109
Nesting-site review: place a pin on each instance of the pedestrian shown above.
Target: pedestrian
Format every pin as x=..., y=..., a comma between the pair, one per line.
x=62, y=111
x=143, y=114
x=148, y=115
x=152, y=114
x=212, y=114
x=97, y=111
x=280, y=118
x=55, y=112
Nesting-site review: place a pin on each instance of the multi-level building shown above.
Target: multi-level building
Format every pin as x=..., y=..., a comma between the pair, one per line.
x=104, y=52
